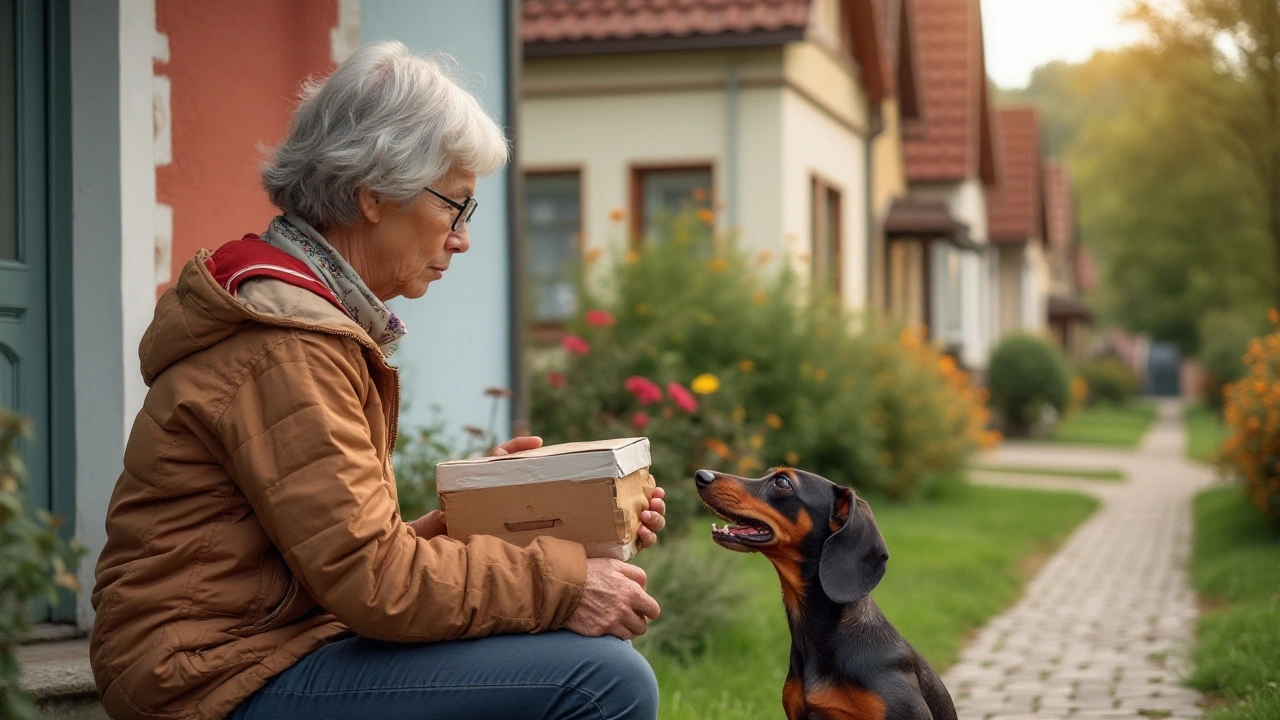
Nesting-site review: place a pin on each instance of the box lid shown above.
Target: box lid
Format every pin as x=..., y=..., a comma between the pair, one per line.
x=614, y=458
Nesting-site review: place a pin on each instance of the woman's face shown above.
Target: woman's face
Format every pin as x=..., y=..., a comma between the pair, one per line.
x=410, y=246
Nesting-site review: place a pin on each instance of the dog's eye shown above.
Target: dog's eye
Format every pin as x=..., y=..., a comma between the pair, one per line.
x=781, y=482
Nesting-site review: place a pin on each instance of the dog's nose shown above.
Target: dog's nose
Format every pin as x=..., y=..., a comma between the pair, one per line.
x=704, y=477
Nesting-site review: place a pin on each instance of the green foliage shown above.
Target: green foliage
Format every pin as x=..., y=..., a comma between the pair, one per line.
x=699, y=592
x=1025, y=374
x=1225, y=337
x=34, y=563
x=416, y=455
x=1236, y=566
x=955, y=562
x=1205, y=433
x=1110, y=381
x=780, y=376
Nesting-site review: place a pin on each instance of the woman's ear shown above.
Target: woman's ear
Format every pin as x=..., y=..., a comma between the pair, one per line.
x=370, y=205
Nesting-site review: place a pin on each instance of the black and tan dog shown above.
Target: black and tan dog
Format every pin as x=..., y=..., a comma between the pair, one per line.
x=847, y=661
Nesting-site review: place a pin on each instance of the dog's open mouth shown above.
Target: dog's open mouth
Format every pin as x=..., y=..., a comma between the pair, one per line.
x=741, y=531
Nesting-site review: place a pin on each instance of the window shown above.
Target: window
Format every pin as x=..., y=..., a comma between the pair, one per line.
x=658, y=194
x=826, y=253
x=553, y=224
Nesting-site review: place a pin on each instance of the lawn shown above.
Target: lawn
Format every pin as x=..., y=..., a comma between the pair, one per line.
x=1082, y=473
x=1236, y=569
x=954, y=562
x=1205, y=433
x=1107, y=425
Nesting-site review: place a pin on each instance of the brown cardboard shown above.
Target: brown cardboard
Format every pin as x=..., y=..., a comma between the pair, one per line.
x=480, y=497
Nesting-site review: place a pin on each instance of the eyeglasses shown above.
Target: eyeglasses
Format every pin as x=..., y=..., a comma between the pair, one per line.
x=465, y=209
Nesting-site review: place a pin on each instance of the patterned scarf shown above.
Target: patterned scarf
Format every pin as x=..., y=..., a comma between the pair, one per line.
x=295, y=236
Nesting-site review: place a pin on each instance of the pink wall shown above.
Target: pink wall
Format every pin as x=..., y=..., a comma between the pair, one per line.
x=234, y=68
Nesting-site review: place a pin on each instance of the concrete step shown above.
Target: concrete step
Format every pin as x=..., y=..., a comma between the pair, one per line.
x=57, y=674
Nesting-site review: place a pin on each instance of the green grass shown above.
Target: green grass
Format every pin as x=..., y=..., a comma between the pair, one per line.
x=1105, y=425
x=1205, y=433
x=954, y=562
x=1236, y=569
x=1087, y=474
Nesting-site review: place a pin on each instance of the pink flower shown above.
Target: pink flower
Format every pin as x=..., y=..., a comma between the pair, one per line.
x=599, y=318
x=575, y=345
x=645, y=390
x=555, y=380
x=640, y=420
x=682, y=397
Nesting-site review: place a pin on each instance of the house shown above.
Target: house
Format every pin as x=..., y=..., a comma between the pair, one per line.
x=1016, y=224
x=137, y=123
x=1071, y=268
x=763, y=113
x=940, y=267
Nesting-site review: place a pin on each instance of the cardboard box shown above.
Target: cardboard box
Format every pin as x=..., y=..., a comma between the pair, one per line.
x=589, y=492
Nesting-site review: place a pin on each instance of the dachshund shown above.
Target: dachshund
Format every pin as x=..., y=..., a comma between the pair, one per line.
x=847, y=661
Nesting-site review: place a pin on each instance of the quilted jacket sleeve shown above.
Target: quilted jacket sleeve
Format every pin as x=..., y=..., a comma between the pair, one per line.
x=298, y=435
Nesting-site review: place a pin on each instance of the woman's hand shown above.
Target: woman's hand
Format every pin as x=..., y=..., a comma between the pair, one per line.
x=429, y=525
x=613, y=601
x=653, y=519
x=515, y=445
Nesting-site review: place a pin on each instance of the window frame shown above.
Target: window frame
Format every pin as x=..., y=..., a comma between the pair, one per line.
x=638, y=171
x=548, y=331
x=821, y=256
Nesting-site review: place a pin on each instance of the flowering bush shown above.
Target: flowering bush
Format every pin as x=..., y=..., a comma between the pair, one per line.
x=1252, y=413
x=724, y=362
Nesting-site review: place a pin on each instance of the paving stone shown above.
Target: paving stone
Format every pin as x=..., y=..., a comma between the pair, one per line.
x=1104, y=628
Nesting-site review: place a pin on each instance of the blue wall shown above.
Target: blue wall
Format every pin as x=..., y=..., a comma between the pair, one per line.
x=459, y=332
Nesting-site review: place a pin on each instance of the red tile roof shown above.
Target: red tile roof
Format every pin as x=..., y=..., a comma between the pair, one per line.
x=1086, y=269
x=1059, y=205
x=954, y=141
x=1015, y=209
x=559, y=21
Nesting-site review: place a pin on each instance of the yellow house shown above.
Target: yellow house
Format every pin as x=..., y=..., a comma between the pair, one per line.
x=766, y=114
x=1016, y=222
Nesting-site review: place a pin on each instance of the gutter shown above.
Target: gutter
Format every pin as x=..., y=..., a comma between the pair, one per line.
x=875, y=126
x=519, y=409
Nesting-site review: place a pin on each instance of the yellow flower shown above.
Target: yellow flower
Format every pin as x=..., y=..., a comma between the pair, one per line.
x=718, y=447
x=748, y=465
x=759, y=297
x=773, y=421
x=617, y=215
x=706, y=216
x=946, y=364
x=793, y=458
x=631, y=258
x=757, y=442
x=642, y=309
x=717, y=265
x=746, y=366
x=819, y=374
x=739, y=414
x=705, y=384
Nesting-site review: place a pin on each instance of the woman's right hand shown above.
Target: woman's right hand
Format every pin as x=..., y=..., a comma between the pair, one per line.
x=613, y=601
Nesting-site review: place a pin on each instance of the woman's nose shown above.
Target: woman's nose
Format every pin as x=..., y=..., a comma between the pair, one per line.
x=459, y=241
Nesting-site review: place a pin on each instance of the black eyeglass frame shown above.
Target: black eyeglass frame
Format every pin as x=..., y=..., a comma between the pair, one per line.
x=465, y=209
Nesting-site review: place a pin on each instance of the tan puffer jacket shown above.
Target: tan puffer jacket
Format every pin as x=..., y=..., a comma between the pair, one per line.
x=256, y=517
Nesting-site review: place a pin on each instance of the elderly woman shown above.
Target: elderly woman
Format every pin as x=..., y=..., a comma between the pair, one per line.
x=256, y=564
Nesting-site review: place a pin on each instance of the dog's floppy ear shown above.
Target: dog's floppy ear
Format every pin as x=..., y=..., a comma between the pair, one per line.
x=854, y=556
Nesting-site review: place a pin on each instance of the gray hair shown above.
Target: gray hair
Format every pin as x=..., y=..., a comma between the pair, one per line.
x=387, y=120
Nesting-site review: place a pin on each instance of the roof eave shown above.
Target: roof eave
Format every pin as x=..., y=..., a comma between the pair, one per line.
x=611, y=46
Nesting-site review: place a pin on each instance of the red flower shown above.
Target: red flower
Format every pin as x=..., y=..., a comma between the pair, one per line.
x=640, y=420
x=575, y=345
x=645, y=390
x=555, y=380
x=599, y=318
x=682, y=397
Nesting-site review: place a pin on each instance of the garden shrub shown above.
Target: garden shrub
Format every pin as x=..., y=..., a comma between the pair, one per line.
x=34, y=563
x=1027, y=373
x=1252, y=412
x=726, y=362
x=1109, y=380
x=1224, y=340
x=699, y=592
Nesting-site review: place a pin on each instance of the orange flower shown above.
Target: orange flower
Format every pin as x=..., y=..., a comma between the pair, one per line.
x=717, y=265
x=1274, y=316
x=631, y=258
x=617, y=215
x=706, y=216
x=592, y=255
x=773, y=421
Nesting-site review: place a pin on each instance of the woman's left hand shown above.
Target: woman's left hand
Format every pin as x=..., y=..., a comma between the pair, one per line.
x=515, y=445
x=653, y=519
x=429, y=525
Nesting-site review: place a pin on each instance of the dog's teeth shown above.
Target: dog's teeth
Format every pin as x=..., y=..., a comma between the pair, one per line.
x=713, y=527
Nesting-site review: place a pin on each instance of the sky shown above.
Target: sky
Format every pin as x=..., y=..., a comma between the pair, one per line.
x=1021, y=35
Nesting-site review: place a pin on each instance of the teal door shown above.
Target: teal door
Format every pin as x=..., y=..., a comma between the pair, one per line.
x=31, y=116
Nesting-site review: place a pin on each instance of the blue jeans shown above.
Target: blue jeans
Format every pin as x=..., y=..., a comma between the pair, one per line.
x=554, y=676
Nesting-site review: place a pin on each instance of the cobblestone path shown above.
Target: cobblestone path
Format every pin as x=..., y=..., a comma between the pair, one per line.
x=1103, y=629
